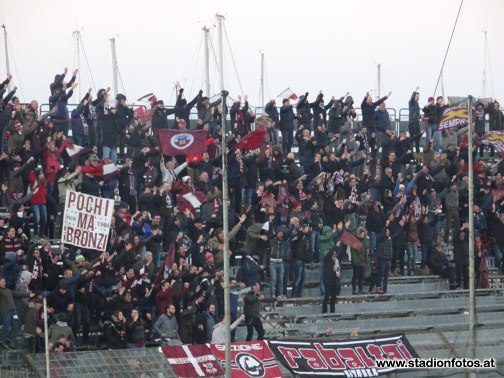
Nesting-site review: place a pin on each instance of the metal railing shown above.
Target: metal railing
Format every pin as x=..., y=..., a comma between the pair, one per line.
x=398, y=118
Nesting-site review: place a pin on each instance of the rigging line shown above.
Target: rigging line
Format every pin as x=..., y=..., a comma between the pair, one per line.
x=87, y=63
x=214, y=56
x=121, y=80
x=15, y=68
x=196, y=54
x=266, y=78
x=69, y=48
x=233, y=59
x=194, y=74
x=489, y=67
x=448, y=48
x=107, y=52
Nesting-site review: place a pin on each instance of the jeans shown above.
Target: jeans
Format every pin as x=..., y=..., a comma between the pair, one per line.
x=430, y=128
x=110, y=153
x=78, y=139
x=372, y=243
x=287, y=276
x=375, y=194
x=249, y=192
x=275, y=136
x=411, y=248
x=314, y=246
x=438, y=141
x=497, y=252
x=7, y=320
x=383, y=271
x=276, y=278
x=40, y=214
x=299, y=276
x=452, y=223
x=156, y=259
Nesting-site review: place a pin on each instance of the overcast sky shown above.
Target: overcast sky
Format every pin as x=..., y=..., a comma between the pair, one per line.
x=310, y=45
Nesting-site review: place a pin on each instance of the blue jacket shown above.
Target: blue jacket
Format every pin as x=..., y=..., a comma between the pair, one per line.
x=382, y=120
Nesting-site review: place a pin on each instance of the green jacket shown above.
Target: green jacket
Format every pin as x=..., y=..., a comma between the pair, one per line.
x=7, y=298
x=360, y=256
x=60, y=329
x=327, y=242
x=252, y=305
x=253, y=238
x=217, y=247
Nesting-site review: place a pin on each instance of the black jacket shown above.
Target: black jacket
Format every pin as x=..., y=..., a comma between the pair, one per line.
x=368, y=110
x=384, y=249
x=496, y=118
x=320, y=112
x=287, y=117
x=272, y=112
x=304, y=113
x=328, y=274
x=160, y=118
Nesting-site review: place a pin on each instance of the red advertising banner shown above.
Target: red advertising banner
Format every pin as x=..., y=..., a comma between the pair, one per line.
x=251, y=359
x=350, y=358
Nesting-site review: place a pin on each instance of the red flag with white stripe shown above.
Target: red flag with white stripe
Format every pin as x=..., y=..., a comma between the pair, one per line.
x=288, y=93
x=192, y=360
x=73, y=150
x=150, y=97
x=110, y=171
x=191, y=201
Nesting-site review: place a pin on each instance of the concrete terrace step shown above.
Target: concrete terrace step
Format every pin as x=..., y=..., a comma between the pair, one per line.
x=414, y=323
x=392, y=297
x=386, y=309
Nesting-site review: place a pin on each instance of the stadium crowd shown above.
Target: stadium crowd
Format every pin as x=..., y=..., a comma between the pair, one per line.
x=326, y=187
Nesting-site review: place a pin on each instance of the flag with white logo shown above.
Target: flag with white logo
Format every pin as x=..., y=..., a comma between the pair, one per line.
x=181, y=142
x=249, y=359
x=192, y=360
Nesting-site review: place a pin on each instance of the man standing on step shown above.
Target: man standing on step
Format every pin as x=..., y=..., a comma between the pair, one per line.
x=461, y=257
x=252, y=310
x=331, y=275
x=414, y=119
x=384, y=256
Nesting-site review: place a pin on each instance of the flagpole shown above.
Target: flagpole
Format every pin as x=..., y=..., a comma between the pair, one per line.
x=225, y=251
x=472, y=298
x=46, y=340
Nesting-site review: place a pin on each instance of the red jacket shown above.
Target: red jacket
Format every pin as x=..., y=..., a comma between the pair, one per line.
x=52, y=163
x=167, y=297
x=39, y=192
